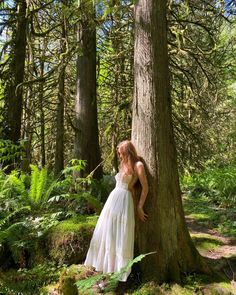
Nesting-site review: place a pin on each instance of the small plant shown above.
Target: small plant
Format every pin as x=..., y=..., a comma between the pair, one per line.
x=111, y=278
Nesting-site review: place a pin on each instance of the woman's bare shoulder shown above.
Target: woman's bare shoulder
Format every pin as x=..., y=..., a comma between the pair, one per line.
x=139, y=166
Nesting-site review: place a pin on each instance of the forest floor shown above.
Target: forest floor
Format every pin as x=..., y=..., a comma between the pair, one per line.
x=213, y=230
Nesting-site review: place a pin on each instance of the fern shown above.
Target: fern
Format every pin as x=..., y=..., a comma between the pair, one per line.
x=17, y=184
x=40, y=189
x=49, y=190
x=34, y=182
x=113, y=278
x=22, y=211
x=17, y=236
x=41, y=185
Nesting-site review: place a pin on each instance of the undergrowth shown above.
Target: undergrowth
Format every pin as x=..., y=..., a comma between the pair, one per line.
x=217, y=184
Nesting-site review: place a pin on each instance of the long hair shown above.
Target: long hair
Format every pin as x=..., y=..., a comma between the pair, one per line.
x=128, y=156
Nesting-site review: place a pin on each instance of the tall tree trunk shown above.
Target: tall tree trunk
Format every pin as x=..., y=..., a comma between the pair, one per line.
x=59, y=154
x=41, y=110
x=28, y=132
x=86, y=136
x=28, y=119
x=13, y=93
x=152, y=132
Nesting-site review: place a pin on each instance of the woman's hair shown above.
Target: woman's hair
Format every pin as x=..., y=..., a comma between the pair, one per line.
x=128, y=156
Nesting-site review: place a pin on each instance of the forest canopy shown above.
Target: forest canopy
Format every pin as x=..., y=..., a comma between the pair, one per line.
x=39, y=51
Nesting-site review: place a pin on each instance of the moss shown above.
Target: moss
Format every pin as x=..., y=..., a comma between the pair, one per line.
x=68, y=286
x=205, y=242
x=74, y=224
x=219, y=289
x=179, y=290
x=69, y=240
x=51, y=289
x=68, y=278
x=150, y=288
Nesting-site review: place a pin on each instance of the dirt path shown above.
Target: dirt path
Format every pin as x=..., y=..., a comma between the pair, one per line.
x=226, y=250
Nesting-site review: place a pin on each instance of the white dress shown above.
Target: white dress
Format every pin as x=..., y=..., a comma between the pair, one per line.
x=112, y=244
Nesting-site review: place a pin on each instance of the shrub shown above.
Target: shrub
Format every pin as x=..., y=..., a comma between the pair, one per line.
x=218, y=184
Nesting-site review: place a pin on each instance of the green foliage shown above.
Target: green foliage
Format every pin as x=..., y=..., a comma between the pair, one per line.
x=78, y=193
x=20, y=232
x=28, y=281
x=75, y=165
x=209, y=215
x=112, y=278
x=23, y=211
x=68, y=241
x=9, y=151
x=217, y=184
x=41, y=186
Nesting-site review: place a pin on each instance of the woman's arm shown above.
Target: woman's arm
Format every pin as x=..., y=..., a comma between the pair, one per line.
x=140, y=170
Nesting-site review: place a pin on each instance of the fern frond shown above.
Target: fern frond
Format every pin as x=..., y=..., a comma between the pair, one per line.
x=113, y=278
x=14, y=215
x=34, y=182
x=49, y=190
x=41, y=183
x=17, y=184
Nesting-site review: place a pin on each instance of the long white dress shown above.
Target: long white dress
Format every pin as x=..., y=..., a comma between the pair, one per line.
x=112, y=244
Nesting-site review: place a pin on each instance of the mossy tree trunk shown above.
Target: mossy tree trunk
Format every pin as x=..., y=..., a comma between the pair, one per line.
x=13, y=90
x=86, y=135
x=152, y=132
x=59, y=153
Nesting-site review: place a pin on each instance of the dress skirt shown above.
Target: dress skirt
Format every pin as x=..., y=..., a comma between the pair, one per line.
x=112, y=244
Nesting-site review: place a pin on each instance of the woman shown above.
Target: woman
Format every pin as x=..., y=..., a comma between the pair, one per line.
x=111, y=246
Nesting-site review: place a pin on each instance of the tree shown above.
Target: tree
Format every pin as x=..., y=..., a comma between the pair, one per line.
x=59, y=154
x=152, y=132
x=86, y=135
x=15, y=75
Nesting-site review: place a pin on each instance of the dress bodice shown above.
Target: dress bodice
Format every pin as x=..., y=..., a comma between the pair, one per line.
x=123, y=180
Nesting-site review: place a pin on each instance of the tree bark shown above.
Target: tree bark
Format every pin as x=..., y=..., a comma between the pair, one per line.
x=165, y=231
x=59, y=154
x=14, y=92
x=86, y=135
x=42, y=114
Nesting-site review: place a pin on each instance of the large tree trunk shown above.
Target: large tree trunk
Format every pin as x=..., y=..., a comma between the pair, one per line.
x=59, y=154
x=14, y=92
x=42, y=115
x=165, y=231
x=86, y=136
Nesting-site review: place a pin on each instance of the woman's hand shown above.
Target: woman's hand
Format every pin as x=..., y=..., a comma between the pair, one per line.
x=141, y=214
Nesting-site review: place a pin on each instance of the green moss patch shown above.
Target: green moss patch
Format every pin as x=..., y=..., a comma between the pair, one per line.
x=72, y=274
x=207, y=214
x=193, y=288
x=205, y=242
x=69, y=240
